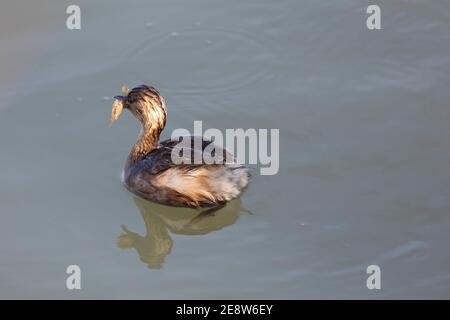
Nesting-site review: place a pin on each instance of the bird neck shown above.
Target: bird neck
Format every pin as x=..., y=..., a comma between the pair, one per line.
x=147, y=142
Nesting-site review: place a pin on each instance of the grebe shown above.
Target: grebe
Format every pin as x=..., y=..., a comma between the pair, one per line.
x=150, y=172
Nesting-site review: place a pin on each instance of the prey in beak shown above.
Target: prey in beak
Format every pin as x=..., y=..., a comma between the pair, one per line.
x=118, y=105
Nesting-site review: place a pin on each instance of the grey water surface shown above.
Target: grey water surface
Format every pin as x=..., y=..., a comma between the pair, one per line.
x=364, y=120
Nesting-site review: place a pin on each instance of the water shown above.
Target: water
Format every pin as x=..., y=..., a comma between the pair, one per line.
x=364, y=140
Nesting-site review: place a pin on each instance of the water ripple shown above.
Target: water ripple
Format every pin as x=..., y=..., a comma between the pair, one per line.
x=200, y=61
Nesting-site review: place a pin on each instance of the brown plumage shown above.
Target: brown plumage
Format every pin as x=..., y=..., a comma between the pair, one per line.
x=150, y=172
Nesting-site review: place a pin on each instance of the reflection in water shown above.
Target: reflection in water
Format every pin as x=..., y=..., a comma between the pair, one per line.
x=160, y=219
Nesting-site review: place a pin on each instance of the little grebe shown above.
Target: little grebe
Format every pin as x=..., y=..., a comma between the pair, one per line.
x=150, y=172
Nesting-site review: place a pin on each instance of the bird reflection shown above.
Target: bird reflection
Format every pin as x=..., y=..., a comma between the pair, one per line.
x=162, y=220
